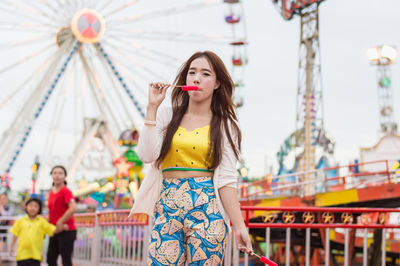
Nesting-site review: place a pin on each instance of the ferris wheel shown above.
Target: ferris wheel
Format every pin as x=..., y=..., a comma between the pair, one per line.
x=74, y=74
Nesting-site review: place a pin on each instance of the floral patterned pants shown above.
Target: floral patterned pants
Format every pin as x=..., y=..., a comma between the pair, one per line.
x=188, y=225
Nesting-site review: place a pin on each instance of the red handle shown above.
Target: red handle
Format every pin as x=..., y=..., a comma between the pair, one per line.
x=267, y=261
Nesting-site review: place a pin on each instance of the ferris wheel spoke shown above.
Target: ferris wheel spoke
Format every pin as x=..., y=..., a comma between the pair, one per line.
x=94, y=85
x=124, y=6
x=164, y=12
x=54, y=124
x=129, y=76
x=42, y=26
x=34, y=10
x=118, y=93
x=139, y=52
x=47, y=4
x=67, y=10
x=27, y=58
x=127, y=46
x=177, y=37
x=21, y=10
x=143, y=76
x=28, y=27
x=15, y=44
x=24, y=118
x=125, y=56
x=23, y=84
x=181, y=35
x=101, y=8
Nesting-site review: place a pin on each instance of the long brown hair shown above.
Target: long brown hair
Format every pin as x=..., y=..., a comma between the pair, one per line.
x=222, y=108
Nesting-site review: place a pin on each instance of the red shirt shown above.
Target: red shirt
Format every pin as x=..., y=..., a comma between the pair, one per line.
x=58, y=205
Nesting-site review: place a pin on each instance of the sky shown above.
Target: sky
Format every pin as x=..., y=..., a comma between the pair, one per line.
x=347, y=29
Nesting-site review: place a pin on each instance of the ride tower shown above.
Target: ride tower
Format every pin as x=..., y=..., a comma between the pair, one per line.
x=383, y=57
x=309, y=118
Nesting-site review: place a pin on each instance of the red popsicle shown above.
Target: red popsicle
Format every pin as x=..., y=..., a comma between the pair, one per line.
x=190, y=88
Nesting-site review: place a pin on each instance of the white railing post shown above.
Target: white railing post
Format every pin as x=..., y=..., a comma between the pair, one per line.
x=267, y=241
x=246, y=256
x=308, y=232
x=383, y=247
x=146, y=240
x=327, y=247
x=365, y=247
x=228, y=251
x=235, y=251
x=95, y=254
x=346, y=247
x=287, y=260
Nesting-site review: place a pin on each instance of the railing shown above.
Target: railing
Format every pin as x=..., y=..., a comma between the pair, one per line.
x=5, y=238
x=341, y=236
x=110, y=238
x=319, y=224
x=324, y=180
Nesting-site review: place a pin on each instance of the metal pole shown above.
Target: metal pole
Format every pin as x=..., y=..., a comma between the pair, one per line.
x=267, y=241
x=287, y=260
x=96, y=243
x=235, y=252
x=346, y=247
x=365, y=247
x=383, y=247
x=327, y=247
x=246, y=256
x=308, y=232
x=228, y=252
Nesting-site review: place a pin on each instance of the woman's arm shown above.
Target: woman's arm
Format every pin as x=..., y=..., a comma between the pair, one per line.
x=149, y=145
x=231, y=205
x=150, y=139
x=227, y=188
x=66, y=216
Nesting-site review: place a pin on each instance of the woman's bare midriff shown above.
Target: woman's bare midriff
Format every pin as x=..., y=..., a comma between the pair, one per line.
x=185, y=174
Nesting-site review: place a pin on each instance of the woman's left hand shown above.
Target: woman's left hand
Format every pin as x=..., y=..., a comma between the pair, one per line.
x=243, y=240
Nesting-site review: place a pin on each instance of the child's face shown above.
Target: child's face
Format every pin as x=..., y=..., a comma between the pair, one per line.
x=32, y=208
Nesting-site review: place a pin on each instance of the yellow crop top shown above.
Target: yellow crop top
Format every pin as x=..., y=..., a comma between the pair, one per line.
x=188, y=151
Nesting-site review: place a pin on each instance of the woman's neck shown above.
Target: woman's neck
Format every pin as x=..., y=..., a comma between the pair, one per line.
x=203, y=109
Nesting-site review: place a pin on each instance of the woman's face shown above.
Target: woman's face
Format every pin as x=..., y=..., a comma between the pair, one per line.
x=202, y=75
x=58, y=176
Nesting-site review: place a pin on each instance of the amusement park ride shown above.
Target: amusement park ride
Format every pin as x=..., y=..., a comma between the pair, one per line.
x=310, y=132
x=78, y=93
x=371, y=183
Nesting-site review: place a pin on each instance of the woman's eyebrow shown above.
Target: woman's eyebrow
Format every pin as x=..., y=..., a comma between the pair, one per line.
x=203, y=69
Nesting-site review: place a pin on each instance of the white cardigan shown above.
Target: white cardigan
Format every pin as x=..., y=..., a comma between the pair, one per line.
x=149, y=147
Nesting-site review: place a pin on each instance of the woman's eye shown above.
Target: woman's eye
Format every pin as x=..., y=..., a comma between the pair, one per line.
x=191, y=72
x=206, y=74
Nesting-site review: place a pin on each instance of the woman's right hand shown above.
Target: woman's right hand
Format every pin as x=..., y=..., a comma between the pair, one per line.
x=157, y=92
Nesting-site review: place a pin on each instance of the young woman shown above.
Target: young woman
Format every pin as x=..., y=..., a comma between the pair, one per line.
x=62, y=207
x=191, y=188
